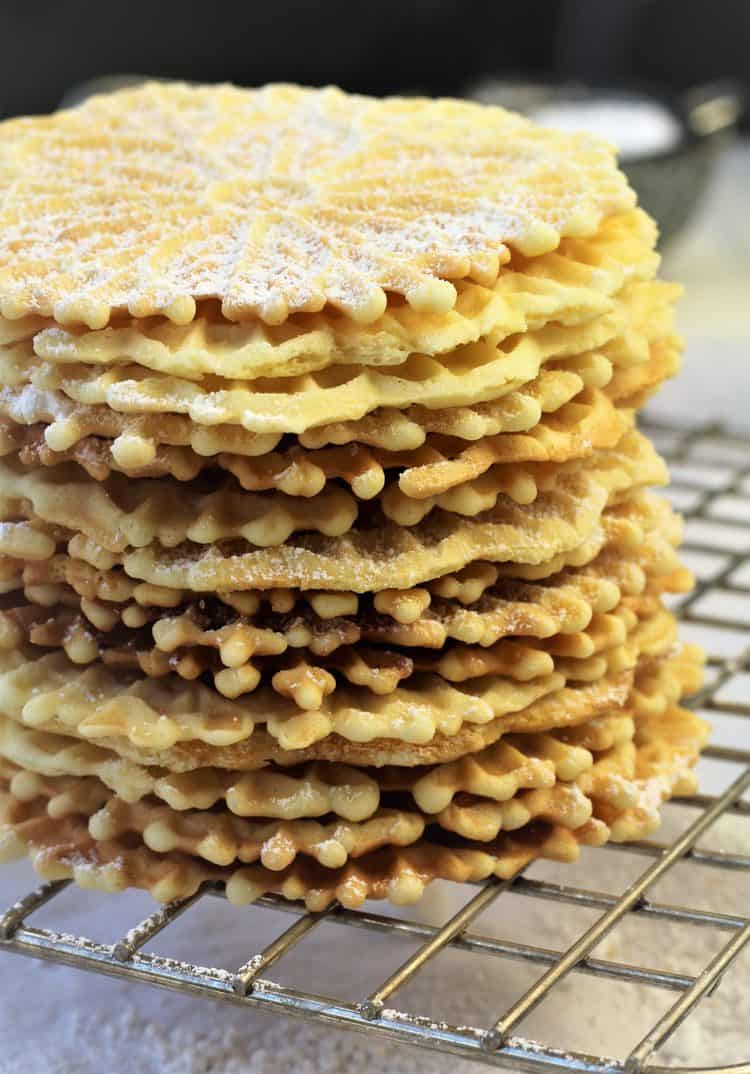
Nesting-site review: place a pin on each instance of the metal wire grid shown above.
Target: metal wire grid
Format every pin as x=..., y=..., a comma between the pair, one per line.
x=711, y=484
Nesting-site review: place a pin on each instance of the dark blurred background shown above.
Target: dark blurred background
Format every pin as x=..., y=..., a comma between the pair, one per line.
x=438, y=46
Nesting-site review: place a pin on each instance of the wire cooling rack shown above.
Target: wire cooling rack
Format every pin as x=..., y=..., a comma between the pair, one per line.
x=711, y=485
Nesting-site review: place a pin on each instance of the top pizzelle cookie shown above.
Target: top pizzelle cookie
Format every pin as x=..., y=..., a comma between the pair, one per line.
x=279, y=201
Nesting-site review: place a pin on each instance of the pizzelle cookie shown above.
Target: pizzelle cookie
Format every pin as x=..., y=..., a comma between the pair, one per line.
x=328, y=560
x=477, y=184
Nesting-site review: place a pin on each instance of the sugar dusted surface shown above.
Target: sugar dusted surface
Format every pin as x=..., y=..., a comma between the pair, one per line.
x=280, y=200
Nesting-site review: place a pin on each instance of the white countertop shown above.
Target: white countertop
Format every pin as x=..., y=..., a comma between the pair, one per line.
x=57, y=1020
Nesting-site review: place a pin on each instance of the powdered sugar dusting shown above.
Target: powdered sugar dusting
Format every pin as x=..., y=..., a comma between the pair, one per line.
x=281, y=200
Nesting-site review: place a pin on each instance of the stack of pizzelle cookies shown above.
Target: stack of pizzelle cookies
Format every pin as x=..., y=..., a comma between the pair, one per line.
x=329, y=560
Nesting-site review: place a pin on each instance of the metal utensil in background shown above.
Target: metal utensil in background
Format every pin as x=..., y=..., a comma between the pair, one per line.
x=671, y=185
x=670, y=182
